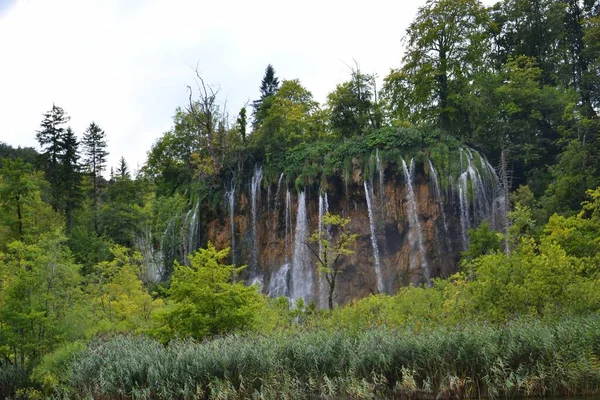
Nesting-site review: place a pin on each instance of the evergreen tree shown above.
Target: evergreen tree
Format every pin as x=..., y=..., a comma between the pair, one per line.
x=242, y=122
x=123, y=169
x=70, y=176
x=50, y=139
x=268, y=87
x=94, y=148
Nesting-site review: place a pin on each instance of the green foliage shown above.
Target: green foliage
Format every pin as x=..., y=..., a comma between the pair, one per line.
x=54, y=370
x=352, y=110
x=293, y=118
x=444, y=48
x=39, y=285
x=482, y=241
x=122, y=213
x=117, y=300
x=334, y=242
x=520, y=359
x=206, y=300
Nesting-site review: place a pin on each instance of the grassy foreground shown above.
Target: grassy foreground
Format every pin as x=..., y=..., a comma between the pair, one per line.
x=526, y=358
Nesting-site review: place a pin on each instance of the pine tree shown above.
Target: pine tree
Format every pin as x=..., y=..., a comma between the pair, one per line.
x=70, y=177
x=242, y=122
x=123, y=169
x=94, y=149
x=49, y=137
x=268, y=87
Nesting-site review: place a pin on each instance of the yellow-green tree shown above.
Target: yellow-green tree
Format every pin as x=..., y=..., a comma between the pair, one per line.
x=118, y=299
x=39, y=286
x=334, y=240
x=207, y=299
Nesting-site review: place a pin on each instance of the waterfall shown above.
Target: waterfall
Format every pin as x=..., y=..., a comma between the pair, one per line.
x=189, y=232
x=231, y=203
x=368, y=196
x=323, y=286
x=193, y=229
x=302, y=274
x=415, y=235
x=381, y=172
x=277, y=205
x=437, y=191
x=279, y=283
x=288, y=225
x=464, y=209
x=153, y=258
x=486, y=197
x=254, y=195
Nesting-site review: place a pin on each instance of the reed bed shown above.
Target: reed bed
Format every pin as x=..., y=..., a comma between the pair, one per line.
x=527, y=358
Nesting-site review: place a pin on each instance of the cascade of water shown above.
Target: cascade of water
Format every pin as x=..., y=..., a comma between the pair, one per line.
x=368, y=197
x=254, y=195
x=323, y=209
x=485, y=194
x=288, y=224
x=188, y=232
x=438, y=195
x=465, y=224
x=277, y=204
x=193, y=229
x=381, y=172
x=153, y=258
x=231, y=202
x=302, y=274
x=415, y=235
x=279, y=283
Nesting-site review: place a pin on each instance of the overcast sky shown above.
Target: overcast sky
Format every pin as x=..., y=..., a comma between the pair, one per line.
x=125, y=64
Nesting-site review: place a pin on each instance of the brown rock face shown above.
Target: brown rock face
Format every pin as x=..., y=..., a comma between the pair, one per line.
x=404, y=259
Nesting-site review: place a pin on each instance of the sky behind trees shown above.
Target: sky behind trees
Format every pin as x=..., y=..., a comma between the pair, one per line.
x=125, y=65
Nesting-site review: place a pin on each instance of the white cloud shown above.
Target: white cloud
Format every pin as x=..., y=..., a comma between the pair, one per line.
x=125, y=64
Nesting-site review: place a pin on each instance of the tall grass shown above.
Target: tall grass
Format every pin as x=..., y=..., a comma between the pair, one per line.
x=521, y=359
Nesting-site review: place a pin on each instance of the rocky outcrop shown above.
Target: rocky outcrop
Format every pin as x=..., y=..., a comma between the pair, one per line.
x=411, y=249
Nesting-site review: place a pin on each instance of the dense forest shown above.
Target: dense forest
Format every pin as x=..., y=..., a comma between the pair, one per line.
x=117, y=283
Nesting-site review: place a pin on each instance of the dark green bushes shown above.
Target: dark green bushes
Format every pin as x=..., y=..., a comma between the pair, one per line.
x=526, y=358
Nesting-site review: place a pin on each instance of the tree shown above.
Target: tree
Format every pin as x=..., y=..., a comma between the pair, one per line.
x=351, y=106
x=117, y=296
x=445, y=48
x=122, y=213
x=293, y=118
x=334, y=240
x=268, y=87
x=206, y=115
x=94, y=148
x=50, y=137
x=16, y=187
x=242, y=123
x=24, y=215
x=207, y=300
x=38, y=292
x=123, y=169
x=70, y=176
